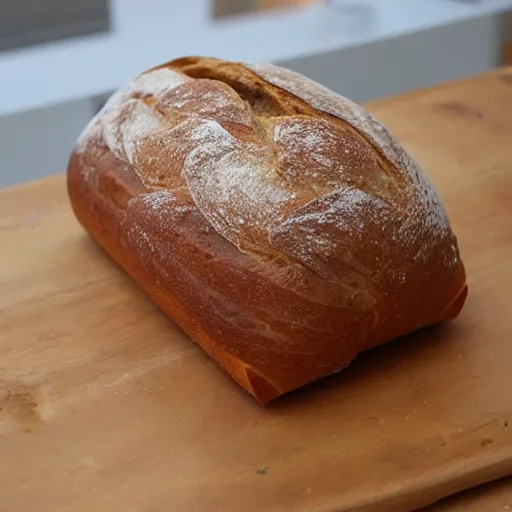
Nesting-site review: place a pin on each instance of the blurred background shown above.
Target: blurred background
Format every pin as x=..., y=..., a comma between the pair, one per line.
x=60, y=59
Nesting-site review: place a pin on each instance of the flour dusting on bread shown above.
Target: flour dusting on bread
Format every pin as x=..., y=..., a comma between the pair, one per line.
x=325, y=100
x=230, y=183
x=125, y=119
x=293, y=185
x=306, y=139
x=165, y=202
x=331, y=228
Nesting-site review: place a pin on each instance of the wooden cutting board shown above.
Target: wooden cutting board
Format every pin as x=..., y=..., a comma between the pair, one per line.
x=492, y=497
x=105, y=405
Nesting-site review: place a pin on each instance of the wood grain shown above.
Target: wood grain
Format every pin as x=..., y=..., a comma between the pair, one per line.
x=507, y=54
x=493, y=497
x=105, y=404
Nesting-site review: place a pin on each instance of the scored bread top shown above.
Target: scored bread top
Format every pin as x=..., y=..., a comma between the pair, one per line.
x=281, y=167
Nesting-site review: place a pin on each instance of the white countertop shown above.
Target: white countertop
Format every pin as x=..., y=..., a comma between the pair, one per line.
x=149, y=32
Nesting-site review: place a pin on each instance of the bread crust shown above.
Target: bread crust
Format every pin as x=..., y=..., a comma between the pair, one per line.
x=278, y=224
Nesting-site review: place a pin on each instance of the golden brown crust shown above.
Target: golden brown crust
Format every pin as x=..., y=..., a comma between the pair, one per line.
x=284, y=238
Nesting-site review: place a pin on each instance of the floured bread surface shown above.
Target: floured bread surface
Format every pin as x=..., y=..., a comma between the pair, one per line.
x=280, y=166
x=280, y=225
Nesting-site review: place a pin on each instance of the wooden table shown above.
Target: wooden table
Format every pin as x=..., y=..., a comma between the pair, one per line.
x=105, y=405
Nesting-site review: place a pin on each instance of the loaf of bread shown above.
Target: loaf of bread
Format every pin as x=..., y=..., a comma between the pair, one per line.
x=277, y=223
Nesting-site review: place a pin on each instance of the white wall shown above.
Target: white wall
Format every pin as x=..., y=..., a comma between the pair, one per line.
x=38, y=143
